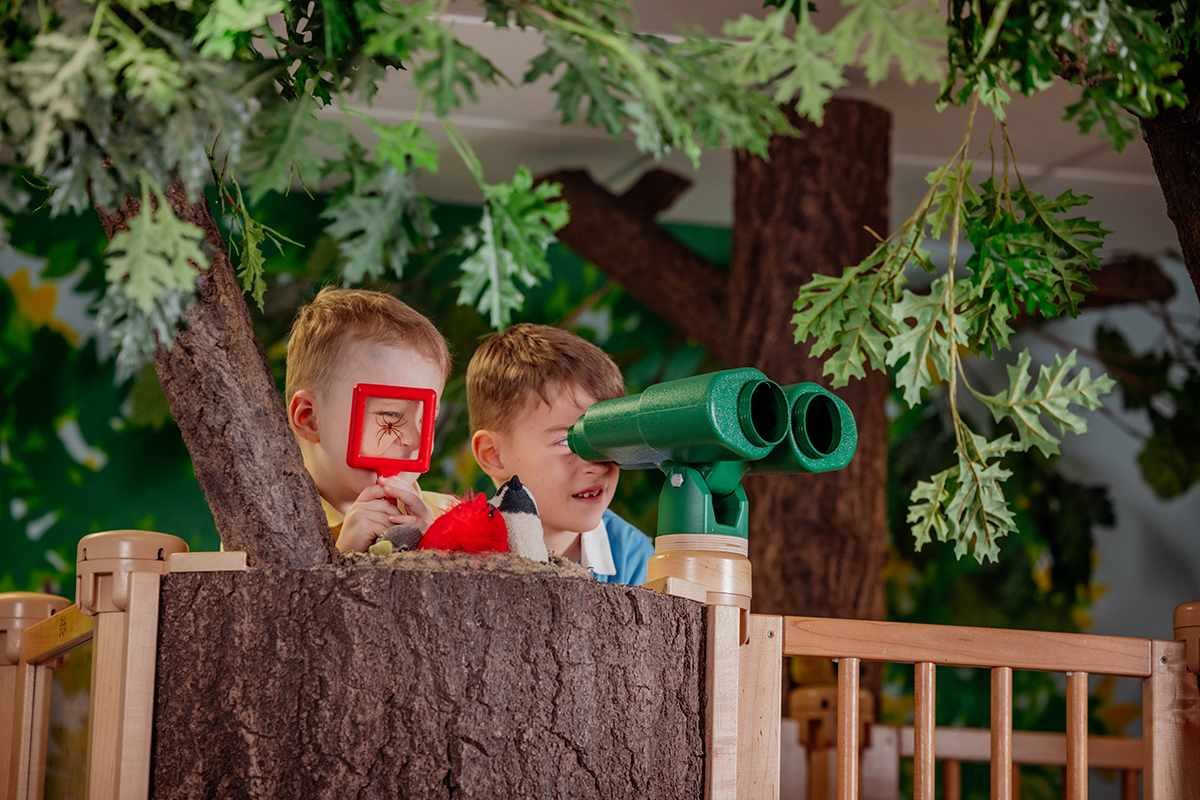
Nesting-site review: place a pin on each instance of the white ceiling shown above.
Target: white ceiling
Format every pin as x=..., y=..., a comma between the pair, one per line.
x=512, y=126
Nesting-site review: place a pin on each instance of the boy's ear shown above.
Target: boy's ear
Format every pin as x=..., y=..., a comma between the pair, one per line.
x=302, y=416
x=485, y=446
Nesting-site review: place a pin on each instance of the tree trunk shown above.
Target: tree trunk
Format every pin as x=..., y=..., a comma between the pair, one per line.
x=231, y=415
x=817, y=542
x=374, y=682
x=1174, y=141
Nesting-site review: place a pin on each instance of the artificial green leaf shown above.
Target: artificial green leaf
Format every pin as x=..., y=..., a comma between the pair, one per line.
x=980, y=511
x=250, y=268
x=509, y=245
x=453, y=67
x=159, y=252
x=822, y=307
x=380, y=227
x=890, y=29
x=582, y=80
x=929, y=344
x=216, y=33
x=1051, y=396
x=950, y=183
x=1166, y=466
x=146, y=73
x=799, y=69
x=284, y=151
x=926, y=512
x=400, y=29
x=60, y=78
x=1071, y=243
x=405, y=146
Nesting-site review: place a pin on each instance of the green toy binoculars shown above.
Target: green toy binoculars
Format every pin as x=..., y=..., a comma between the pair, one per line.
x=706, y=433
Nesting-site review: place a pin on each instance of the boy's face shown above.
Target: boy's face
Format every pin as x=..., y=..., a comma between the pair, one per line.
x=324, y=437
x=571, y=493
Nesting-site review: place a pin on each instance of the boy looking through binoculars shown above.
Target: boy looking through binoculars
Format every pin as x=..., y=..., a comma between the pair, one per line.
x=525, y=388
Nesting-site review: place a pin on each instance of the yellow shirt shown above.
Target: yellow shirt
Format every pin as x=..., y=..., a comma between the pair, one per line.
x=440, y=503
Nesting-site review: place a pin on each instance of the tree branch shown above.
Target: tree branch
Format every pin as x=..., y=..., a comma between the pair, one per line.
x=620, y=236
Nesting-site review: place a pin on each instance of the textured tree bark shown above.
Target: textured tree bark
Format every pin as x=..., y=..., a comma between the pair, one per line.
x=371, y=682
x=1174, y=141
x=231, y=415
x=817, y=542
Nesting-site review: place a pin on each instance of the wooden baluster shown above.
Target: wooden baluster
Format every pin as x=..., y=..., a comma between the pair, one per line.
x=847, y=733
x=1129, y=784
x=923, y=726
x=1075, y=786
x=952, y=780
x=1002, y=733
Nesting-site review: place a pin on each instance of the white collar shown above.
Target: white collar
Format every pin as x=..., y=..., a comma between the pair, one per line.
x=595, y=552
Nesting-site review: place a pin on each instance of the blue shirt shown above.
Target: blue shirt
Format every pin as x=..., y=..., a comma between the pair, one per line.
x=615, y=551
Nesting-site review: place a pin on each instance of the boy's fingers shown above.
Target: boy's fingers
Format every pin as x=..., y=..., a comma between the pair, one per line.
x=408, y=519
x=372, y=492
x=412, y=500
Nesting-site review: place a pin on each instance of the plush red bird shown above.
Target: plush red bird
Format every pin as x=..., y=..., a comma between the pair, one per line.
x=473, y=526
x=509, y=523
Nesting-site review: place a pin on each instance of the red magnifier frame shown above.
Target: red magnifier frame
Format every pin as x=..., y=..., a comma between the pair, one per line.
x=387, y=467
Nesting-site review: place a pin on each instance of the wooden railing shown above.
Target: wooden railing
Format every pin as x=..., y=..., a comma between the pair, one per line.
x=1171, y=722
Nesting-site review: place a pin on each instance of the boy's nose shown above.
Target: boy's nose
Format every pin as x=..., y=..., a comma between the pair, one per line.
x=595, y=467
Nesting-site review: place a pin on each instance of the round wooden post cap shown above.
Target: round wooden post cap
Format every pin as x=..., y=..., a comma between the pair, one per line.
x=18, y=611
x=106, y=559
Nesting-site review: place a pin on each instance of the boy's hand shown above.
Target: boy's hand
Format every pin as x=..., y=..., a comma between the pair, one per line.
x=373, y=513
x=417, y=511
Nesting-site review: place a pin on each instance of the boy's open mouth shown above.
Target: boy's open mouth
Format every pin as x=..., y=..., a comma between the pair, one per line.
x=589, y=494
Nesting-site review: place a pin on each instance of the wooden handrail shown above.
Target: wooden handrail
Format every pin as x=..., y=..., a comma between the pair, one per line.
x=54, y=636
x=946, y=645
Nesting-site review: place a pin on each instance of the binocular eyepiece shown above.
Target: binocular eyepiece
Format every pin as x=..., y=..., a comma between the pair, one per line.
x=737, y=415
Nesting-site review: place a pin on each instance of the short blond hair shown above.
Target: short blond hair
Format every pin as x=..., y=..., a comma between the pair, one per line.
x=511, y=369
x=324, y=326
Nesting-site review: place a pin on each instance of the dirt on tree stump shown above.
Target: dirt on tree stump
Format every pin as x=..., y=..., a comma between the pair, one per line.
x=367, y=681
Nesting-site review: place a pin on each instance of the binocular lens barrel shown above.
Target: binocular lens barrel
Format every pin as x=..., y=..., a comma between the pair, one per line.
x=733, y=415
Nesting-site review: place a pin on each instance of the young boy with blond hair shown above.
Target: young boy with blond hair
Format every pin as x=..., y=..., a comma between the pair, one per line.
x=525, y=388
x=346, y=337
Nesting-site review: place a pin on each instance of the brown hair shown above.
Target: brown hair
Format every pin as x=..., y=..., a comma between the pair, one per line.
x=323, y=326
x=510, y=368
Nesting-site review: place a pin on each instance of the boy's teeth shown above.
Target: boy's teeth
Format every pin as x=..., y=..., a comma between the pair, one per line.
x=588, y=494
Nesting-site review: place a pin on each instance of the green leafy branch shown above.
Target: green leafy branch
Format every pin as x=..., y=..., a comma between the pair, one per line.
x=1121, y=54
x=509, y=242
x=251, y=264
x=1028, y=256
x=151, y=270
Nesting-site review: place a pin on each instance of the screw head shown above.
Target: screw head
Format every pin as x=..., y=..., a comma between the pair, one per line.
x=676, y=480
x=770, y=634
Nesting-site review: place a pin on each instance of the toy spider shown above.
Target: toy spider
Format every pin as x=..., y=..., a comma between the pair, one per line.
x=391, y=423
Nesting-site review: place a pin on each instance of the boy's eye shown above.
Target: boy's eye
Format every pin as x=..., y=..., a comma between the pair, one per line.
x=561, y=442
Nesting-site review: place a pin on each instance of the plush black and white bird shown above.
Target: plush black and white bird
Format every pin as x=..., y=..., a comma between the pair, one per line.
x=516, y=504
